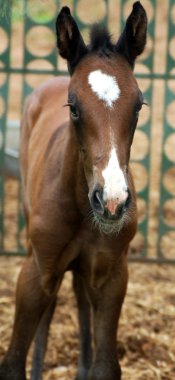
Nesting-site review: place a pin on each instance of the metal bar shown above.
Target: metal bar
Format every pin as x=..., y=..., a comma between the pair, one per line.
x=134, y=259
x=24, y=71
x=19, y=252
x=151, y=260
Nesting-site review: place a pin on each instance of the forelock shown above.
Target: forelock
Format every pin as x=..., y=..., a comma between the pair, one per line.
x=100, y=40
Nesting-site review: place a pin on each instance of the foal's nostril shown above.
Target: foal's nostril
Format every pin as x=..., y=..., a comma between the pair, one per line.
x=97, y=201
x=128, y=200
x=125, y=205
x=120, y=210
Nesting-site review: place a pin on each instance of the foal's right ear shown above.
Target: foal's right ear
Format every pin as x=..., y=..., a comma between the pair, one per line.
x=69, y=40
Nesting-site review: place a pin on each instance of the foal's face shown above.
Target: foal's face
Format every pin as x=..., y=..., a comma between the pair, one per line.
x=104, y=103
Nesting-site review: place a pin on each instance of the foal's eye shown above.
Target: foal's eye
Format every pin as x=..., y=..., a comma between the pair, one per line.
x=138, y=109
x=74, y=112
x=137, y=114
x=139, y=104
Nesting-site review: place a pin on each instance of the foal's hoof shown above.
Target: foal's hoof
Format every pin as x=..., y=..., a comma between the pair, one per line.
x=11, y=373
x=105, y=371
x=82, y=374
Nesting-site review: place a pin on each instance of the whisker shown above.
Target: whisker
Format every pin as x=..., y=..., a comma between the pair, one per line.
x=108, y=227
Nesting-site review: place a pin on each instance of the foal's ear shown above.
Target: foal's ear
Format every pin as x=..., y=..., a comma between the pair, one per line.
x=69, y=40
x=133, y=39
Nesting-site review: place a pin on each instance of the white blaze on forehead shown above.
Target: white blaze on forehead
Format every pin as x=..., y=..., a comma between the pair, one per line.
x=105, y=86
x=115, y=186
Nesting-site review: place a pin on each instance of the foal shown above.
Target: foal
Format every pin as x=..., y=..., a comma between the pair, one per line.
x=78, y=195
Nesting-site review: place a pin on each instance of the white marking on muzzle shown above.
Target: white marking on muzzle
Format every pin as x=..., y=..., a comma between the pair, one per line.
x=105, y=86
x=115, y=187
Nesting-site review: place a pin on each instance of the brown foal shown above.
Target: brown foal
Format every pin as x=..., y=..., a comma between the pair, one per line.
x=78, y=195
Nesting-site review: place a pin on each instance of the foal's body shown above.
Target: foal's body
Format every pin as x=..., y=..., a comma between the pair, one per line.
x=57, y=207
x=56, y=201
x=78, y=197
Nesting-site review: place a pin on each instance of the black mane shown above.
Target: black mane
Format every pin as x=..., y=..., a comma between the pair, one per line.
x=100, y=40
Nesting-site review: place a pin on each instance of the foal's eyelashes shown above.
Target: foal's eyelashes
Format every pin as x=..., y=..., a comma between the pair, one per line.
x=73, y=109
x=67, y=104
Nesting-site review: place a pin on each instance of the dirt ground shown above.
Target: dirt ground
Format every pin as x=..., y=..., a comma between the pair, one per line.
x=146, y=339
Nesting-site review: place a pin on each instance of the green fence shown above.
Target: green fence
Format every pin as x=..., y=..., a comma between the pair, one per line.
x=28, y=56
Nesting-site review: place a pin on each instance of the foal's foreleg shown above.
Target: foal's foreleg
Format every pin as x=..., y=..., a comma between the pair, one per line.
x=31, y=302
x=41, y=342
x=85, y=327
x=107, y=302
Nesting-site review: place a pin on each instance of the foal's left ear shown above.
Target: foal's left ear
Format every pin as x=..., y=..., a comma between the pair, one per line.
x=133, y=39
x=69, y=40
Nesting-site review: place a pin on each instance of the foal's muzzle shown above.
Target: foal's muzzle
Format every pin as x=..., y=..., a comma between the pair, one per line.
x=102, y=208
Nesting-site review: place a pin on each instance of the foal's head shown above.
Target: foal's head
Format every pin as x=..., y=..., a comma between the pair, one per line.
x=104, y=101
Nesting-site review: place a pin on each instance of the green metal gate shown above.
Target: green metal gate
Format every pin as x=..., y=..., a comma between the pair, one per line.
x=28, y=56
